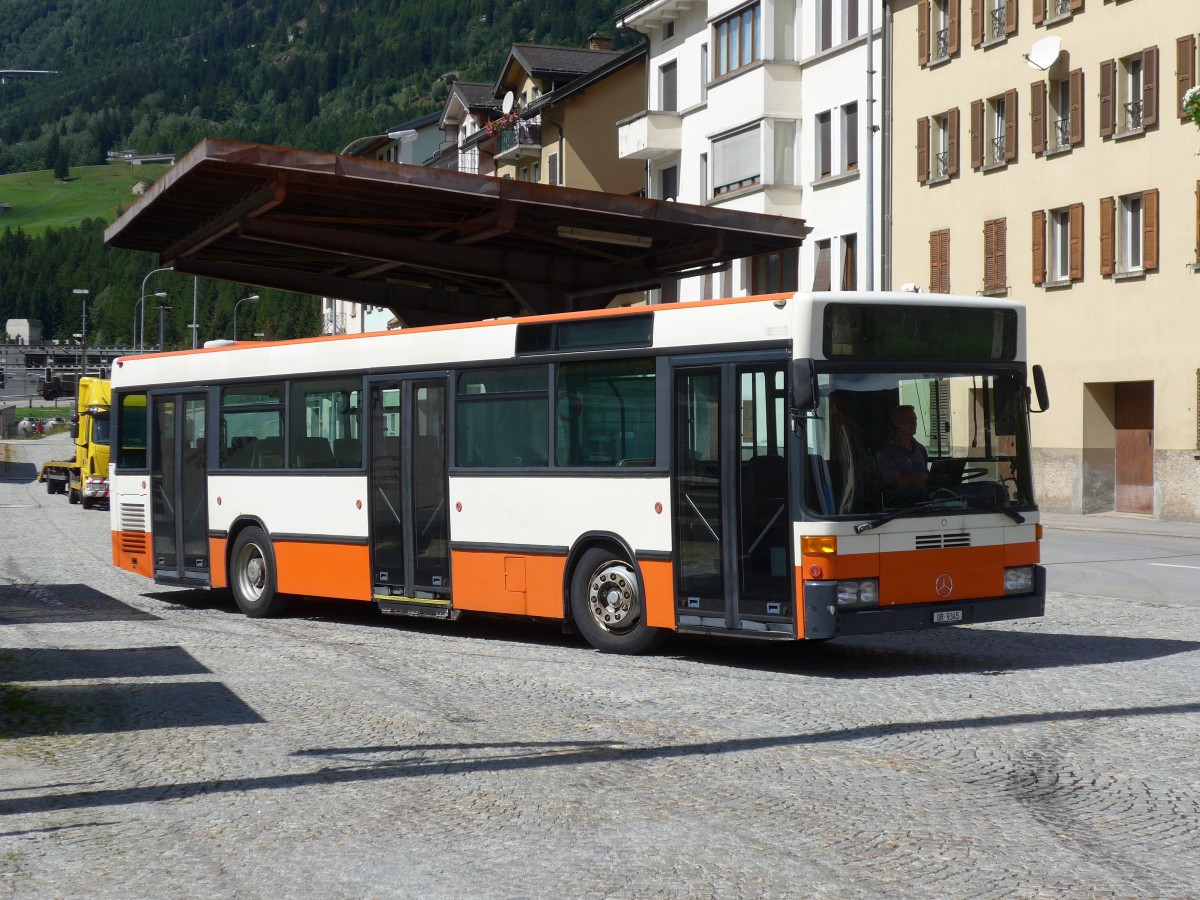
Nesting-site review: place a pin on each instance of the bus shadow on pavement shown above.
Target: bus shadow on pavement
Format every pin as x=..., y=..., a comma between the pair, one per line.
x=39, y=710
x=27, y=604
x=51, y=664
x=968, y=651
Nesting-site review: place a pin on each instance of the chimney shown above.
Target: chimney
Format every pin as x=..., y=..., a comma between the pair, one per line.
x=599, y=42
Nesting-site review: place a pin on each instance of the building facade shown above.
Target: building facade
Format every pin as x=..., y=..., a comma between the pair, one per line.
x=1041, y=152
x=762, y=106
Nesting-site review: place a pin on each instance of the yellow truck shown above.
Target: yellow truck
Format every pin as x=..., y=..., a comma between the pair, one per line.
x=85, y=478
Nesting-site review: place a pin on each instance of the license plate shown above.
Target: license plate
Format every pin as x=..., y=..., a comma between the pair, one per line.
x=950, y=615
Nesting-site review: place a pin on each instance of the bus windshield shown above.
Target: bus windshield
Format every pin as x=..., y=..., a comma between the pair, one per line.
x=881, y=442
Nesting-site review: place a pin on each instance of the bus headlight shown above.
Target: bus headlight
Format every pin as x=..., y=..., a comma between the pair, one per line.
x=1018, y=580
x=852, y=594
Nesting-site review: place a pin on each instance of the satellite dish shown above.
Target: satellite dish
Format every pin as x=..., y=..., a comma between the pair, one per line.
x=506, y=104
x=1044, y=53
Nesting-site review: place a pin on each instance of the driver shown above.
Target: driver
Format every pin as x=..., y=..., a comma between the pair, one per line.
x=903, y=460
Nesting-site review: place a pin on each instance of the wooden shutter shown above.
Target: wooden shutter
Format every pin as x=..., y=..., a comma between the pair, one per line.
x=1039, y=12
x=1185, y=67
x=1001, y=252
x=976, y=134
x=939, y=261
x=1108, y=246
x=1076, y=90
x=1010, y=125
x=1039, y=246
x=1150, y=229
x=1076, y=6
x=1198, y=222
x=952, y=142
x=923, y=149
x=989, y=254
x=1010, y=18
x=1149, y=87
x=922, y=32
x=976, y=22
x=1108, y=85
x=1037, y=115
x=952, y=7
x=1075, y=218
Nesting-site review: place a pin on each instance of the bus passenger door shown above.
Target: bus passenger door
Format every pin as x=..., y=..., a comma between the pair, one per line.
x=410, y=522
x=179, y=489
x=730, y=475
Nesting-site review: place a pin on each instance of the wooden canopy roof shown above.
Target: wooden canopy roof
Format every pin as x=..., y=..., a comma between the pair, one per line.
x=434, y=246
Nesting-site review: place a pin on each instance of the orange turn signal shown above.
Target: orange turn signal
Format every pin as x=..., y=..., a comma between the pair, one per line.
x=819, y=545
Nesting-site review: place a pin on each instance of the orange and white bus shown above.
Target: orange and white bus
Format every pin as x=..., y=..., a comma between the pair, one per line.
x=717, y=467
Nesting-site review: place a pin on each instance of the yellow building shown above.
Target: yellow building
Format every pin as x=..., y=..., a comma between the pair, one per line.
x=1040, y=151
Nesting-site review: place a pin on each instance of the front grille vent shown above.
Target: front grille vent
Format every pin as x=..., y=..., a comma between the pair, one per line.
x=943, y=541
x=133, y=517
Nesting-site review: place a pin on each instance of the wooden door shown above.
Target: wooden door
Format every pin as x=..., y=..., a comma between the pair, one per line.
x=1135, y=447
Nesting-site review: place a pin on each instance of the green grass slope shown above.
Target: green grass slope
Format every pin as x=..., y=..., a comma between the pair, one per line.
x=39, y=202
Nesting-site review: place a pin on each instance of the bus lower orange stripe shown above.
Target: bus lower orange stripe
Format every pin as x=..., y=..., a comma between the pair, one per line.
x=341, y=571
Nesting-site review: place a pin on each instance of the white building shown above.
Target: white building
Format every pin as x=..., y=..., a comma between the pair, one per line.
x=761, y=107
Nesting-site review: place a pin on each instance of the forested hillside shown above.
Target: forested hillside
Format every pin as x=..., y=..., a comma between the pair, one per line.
x=159, y=76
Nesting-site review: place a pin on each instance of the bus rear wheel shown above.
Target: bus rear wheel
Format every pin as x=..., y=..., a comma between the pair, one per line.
x=607, y=604
x=252, y=575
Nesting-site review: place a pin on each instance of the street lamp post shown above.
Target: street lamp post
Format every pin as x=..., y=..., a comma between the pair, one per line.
x=161, y=311
x=142, y=303
x=142, y=343
x=83, y=292
x=253, y=298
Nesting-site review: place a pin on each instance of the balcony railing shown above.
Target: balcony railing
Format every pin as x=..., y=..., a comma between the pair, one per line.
x=997, y=23
x=942, y=162
x=1062, y=133
x=941, y=44
x=998, y=149
x=525, y=134
x=1133, y=115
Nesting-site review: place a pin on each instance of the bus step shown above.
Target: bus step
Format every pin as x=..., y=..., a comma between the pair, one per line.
x=421, y=607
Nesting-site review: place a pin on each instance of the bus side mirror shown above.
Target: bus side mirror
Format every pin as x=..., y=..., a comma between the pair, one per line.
x=1039, y=388
x=74, y=426
x=804, y=386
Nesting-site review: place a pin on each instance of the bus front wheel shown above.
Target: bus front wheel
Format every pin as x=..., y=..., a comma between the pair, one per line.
x=252, y=575
x=607, y=603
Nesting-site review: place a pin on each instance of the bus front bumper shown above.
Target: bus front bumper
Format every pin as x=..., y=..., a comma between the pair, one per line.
x=822, y=618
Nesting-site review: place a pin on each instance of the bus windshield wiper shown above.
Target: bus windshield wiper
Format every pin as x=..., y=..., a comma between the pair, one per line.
x=917, y=507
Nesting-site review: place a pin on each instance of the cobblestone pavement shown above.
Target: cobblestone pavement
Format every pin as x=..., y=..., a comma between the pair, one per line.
x=153, y=742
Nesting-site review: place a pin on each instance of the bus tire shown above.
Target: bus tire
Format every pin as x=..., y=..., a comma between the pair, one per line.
x=252, y=575
x=607, y=604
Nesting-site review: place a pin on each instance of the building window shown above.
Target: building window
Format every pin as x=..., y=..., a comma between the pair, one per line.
x=736, y=40
x=1047, y=12
x=824, y=145
x=938, y=138
x=775, y=273
x=668, y=87
x=851, y=19
x=1129, y=234
x=994, y=131
x=737, y=161
x=1058, y=245
x=821, y=274
x=850, y=137
x=784, y=146
x=668, y=29
x=850, y=262
x=937, y=30
x=703, y=73
x=939, y=261
x=1129, y=93
x=992, y=21
x=995, y=255
x=825, y=26
x=669, y=183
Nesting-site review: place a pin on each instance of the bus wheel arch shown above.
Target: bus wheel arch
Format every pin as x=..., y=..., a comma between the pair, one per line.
x=606, y=596
x=253, y=573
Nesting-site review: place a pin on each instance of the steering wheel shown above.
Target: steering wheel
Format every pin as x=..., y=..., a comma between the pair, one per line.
x=972, y=474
